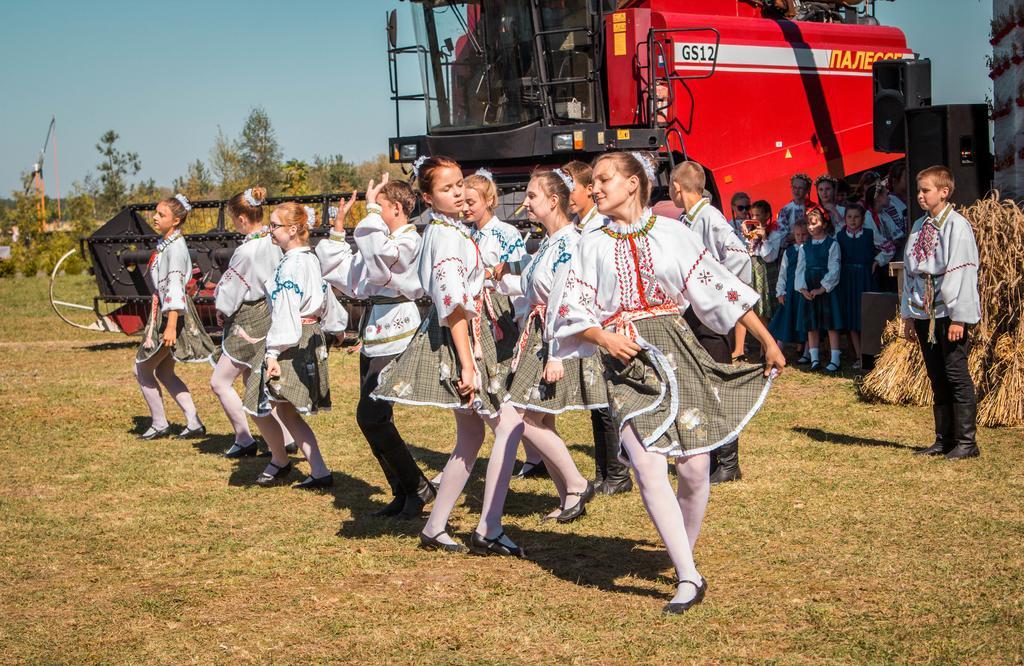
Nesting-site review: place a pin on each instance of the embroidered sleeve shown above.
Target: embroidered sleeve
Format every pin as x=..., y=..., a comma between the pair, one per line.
x=959, y=286
x=717, y=297
x=175, y=271
x=233, y=286
x=572, y=306
x=449, y=285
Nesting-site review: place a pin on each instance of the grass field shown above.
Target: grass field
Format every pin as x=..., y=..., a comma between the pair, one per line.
x=838, y=546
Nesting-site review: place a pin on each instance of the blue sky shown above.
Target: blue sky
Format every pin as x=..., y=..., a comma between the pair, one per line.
x=166, y=75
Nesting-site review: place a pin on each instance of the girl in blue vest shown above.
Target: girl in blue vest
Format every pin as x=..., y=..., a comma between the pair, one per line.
x=817, y=276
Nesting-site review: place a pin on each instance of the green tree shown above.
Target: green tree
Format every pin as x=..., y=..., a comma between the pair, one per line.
x=258, y=149
x=115, y=167
x=197, y=183
x=332, y=174
x=226, y=164
x=295, y=177
x=374, y=167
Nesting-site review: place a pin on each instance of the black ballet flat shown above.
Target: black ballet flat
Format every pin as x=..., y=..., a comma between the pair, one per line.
x=679, y=609
x=313, y=483
x=267, y=480
x=191, y=433
x=815, y=365
x=155, y=434
x=391, y=509
x=237, y=451
x=530, y=470
x=431, y=543
x=580, y=510
x=291, y=449
x=481, y=545
x=832, y=368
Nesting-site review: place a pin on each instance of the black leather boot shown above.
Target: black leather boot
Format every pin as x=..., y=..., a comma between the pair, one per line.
x=598, y=426
x=617, y=479
x=966, y=418
x=943, y=432
x=728, y=468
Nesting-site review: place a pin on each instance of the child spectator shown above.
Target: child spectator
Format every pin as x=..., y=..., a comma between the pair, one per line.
x=817, y=276
x=857, y=275
x=783, y=325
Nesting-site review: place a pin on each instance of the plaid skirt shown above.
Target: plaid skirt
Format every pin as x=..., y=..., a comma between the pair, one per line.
x=303, y=382
x=582, y=386
x=193, y=344
x=680, y=400
x=427, y=371
x=245, y=334
x=764, y=287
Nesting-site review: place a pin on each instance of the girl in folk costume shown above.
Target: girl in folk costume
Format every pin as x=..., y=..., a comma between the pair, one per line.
x=783, y=325
x=241, y=300
x=501, y=247
x=543, y=385
x=826, y=186
x=458, y=359
x=889, y=235
x=857, y=275
x=382, y=272
x=800, y=187
x=764, y=241
x=294, y=377
x=581, y=199
x=611, y=475
x=174, y=331
x=940, y=303
x=628, y=284
x=896, y=183
x=817, y=276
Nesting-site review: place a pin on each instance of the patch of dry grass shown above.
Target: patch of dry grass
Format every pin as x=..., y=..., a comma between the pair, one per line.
x=838, y=545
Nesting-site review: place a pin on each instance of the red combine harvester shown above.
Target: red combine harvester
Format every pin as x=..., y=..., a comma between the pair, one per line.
x=734, y=84
x=755, y=90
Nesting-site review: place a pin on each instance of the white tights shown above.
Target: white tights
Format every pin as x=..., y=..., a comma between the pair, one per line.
x=669, y=511
x=550, y=447
x=469, y=437
x=223, y=384
x=160, y=370
x=292, y=422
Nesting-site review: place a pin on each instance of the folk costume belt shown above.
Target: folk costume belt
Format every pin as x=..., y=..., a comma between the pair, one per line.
x=622, y=321
x=535, y=312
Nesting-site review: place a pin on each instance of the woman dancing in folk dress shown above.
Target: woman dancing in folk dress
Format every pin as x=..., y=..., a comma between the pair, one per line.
x=543, y=386
x=628, y=286
x=174, y=331
x=459, y=359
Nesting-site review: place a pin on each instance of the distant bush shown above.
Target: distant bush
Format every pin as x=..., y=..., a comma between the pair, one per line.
x=42, y=255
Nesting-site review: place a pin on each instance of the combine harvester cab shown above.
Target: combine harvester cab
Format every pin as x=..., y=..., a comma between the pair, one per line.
x=753, y=96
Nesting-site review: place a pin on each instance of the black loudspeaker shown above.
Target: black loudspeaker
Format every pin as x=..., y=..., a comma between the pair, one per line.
x=899, y=85
x=955, y=136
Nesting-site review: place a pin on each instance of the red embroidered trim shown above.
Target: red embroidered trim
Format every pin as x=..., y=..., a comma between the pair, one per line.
x=686, y=280
x=956, y=268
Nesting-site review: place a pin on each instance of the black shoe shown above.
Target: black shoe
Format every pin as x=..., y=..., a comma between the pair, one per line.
x=266, y=480
x=944, y=434
x=548, y=518
x=727, y=463
x=391, y=509
x=426, y=491
x=431, y=543
x=412, y=508
x=832, y=368
x=803, y=360
x=962, y=451
x=679, y=609
x=191, y=433
x=291, y=449
x=313, y=483
x=152, y=433
x=481, y=545
x=612, y=486
x=530, y=470
x=580, y=509
x=237, y=451
x=815, y=365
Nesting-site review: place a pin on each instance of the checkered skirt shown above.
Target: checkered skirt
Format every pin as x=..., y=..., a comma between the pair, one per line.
x=304, y=380
x=679, y=399
x=427, y=371
x=764, y=287
x=193, y=344
x=582, y=386
x=245, y=334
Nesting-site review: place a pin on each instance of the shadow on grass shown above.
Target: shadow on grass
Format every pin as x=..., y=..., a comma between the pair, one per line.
x=850, y=440
x=108, y=346
x=587, y=559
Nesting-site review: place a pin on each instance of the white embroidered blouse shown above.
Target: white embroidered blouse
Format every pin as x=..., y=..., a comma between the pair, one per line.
x=653, y=266
x=940, y=269
x=251, y=265
x=450, y=268
x=548, y=267
x=296, y=292
x=719, y=238
x=500, y=242
x=170, y=270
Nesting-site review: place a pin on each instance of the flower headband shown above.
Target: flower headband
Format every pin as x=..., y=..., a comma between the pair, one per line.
x=569, y=183
x=183, y=200
x=251, y=200
x=417, y=164
x=802, y=176
x=650, y=169
x=484, y=173
x=826, y=178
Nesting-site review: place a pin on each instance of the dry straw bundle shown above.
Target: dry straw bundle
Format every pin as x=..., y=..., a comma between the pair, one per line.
x=997, y=357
